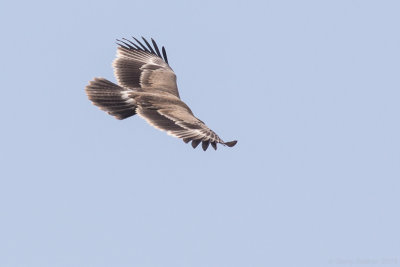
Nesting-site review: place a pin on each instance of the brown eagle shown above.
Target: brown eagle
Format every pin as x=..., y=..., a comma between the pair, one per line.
x=147, y=87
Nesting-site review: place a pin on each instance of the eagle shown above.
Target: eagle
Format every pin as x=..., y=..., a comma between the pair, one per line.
x=147, y=87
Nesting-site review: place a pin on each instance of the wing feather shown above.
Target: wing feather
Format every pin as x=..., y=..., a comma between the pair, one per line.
x=156, y=47
x=149, y=46
x=139, y=65
x=144, y=48
x=132, y=43
x=170, y=114
x=165, y=54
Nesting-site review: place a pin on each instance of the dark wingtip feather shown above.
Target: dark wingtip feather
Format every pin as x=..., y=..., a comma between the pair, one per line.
x=195, y=143
x=156, y=47
x=214, y=145
x=144, y=48
x=231, y=143
x=186, y=140
x=125, y=45
x=149, y=46
x=205, y=145
x=132, y=43
x=164, y=54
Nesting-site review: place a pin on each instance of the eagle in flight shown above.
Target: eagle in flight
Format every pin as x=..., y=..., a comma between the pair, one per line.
x=147, y=87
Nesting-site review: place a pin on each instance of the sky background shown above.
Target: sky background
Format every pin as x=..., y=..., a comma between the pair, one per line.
x=310, y=89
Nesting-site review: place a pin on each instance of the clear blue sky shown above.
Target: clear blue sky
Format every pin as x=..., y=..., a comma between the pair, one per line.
x=310, y=89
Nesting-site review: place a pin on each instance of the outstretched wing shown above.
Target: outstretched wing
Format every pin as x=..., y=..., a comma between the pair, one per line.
x=170, y=114
x=143, y=66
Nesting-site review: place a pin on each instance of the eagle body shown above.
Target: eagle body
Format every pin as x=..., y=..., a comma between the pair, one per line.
x=147, y=87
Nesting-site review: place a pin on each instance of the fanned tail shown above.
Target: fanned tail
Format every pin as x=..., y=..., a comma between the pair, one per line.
x=111, y=98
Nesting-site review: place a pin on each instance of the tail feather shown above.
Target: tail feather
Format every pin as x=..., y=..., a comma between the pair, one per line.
x=231, y=143
x=111, y=98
